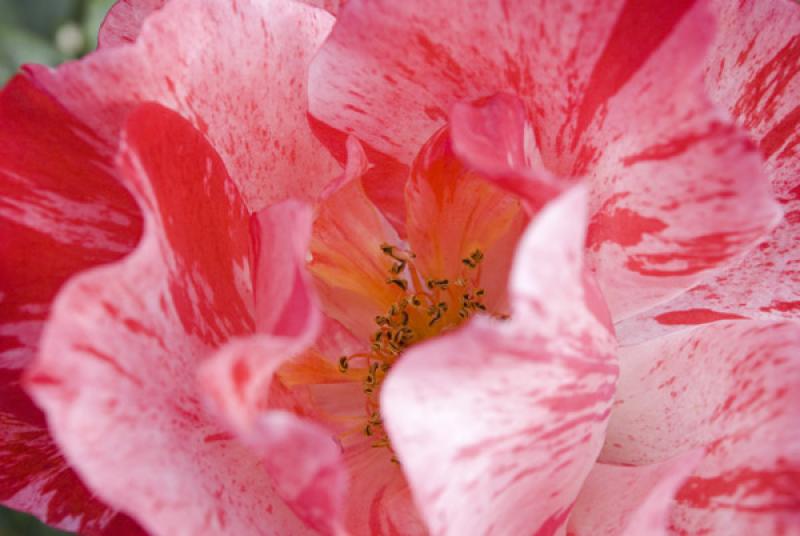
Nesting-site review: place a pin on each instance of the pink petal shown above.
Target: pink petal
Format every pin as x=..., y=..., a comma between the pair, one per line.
x=452, y=211
x=349, y=267
x=116, y=373
x=494, y=138
x=497, y=413
x=124, y=21
x=619, y=500
x=754, y=71
x=431, y=56
x=61, y=212
x=285, y=304
x=734, y=388
x=245, y=91
x=329, y=5
x=678, y=192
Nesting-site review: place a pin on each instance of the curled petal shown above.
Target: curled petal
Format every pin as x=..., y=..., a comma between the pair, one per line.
x=116, y=374
x=286, y=306
x=124, y=21
x=618, y=500
x=487, y=417
x=494, y=138
x=301, y=457
x=254, y=55
x=732, y=387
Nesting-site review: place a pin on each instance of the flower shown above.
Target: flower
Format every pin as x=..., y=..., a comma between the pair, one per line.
x=561, y=166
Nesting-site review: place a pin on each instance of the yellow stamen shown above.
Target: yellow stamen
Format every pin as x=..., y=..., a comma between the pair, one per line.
x=429, y=307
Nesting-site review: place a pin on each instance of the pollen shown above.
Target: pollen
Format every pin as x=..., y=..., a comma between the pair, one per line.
x=427, y=308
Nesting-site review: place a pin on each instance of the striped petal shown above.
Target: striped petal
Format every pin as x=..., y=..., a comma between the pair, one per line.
x=754, y=72
x=61, y=211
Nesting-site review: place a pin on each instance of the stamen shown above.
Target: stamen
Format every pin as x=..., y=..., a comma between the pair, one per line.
x=422, y=312
x=402, y=283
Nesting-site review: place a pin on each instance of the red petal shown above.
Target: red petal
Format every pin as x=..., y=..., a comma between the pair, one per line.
x=61, y=212
x=236, y=70
x=124, y=21
x=621, y=500
x=734, y=388
x=116, y=374
x=488, y=417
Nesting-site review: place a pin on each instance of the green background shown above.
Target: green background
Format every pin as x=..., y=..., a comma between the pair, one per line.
x=47, y=31
x=43, y=31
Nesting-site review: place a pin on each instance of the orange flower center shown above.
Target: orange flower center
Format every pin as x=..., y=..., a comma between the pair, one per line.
x=427, y=308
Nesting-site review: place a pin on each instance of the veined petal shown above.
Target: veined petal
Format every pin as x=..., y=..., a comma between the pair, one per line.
x=245, y=91
x=753, y=70
x=116, y=372
x=124, y=21
x=496, y=413
x=732, y=387
x=619, y=500
x=61, y=212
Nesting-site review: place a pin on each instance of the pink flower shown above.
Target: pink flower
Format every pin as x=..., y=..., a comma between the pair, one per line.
x=455, y=267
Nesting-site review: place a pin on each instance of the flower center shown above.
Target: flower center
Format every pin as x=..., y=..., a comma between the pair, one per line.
x=427, y=308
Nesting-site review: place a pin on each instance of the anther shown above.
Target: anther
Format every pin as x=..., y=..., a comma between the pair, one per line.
x=343, y=364
x=402, y=283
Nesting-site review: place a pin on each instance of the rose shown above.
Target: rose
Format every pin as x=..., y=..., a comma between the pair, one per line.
x=204, y=490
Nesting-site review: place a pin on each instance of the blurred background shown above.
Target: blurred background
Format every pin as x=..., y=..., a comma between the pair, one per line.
x=49, y=32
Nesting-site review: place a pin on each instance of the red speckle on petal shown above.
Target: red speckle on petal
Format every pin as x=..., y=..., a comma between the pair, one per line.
x=783, y=488
x=694, y=316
